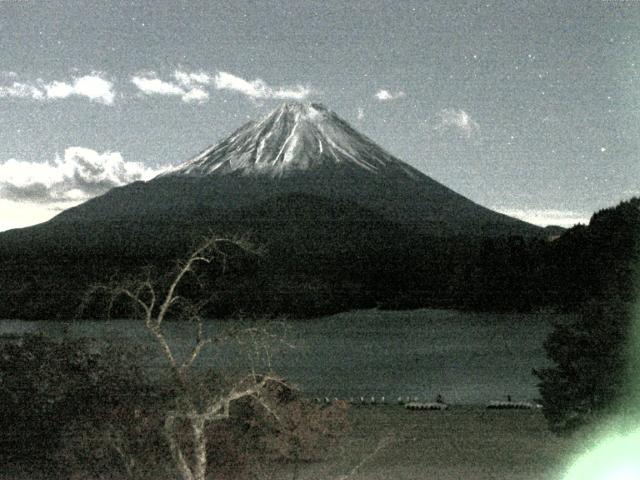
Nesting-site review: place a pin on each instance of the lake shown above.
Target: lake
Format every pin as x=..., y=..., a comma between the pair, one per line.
x=468, y=358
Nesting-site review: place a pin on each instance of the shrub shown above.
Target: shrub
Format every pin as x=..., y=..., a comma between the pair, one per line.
x=55, y=392
x=589, y=356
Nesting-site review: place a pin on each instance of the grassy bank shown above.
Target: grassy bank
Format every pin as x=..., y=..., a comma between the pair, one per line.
x=392, y=443
x=463, y=443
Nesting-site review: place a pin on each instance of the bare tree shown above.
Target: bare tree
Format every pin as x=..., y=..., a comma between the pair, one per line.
x=194, y=409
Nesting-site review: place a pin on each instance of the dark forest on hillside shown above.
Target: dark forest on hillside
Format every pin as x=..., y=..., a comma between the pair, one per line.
x=330, y=258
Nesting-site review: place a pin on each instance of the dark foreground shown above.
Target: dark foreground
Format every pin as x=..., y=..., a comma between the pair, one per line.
x=463, y=443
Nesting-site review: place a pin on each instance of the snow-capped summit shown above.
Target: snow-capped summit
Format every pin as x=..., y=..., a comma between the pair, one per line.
x=294, y=137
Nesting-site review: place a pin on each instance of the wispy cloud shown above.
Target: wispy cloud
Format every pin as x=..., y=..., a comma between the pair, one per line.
x=151, y=85
x=192, y=79
x=360, y=113
x=385, y=95
x=80, y=174
x=197, y=95
x=21, y=90
x=455, y=119
x=545, y=217
x=188, y=87
x=94, y=87
x=258, y=88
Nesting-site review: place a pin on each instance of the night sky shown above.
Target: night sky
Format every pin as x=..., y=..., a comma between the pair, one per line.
x=527, y=107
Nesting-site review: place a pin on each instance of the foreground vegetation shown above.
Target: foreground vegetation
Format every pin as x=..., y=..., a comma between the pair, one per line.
x=82, y=410
x=383, y=442
x=74, y=410
x=85, y=409
x=594, y=356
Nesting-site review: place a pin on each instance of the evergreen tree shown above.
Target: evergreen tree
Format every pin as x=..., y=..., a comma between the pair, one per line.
x=589, y=356
x=596, y=266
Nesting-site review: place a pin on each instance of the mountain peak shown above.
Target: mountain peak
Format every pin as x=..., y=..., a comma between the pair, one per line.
x=293, y=113
x=310, y=109
x=292, y=138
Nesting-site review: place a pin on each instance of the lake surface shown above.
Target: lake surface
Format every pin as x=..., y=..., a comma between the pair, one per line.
x=468, y=358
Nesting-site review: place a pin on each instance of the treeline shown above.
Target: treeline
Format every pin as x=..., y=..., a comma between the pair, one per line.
x=593, y=369
x=587, y=263
x=318, y=261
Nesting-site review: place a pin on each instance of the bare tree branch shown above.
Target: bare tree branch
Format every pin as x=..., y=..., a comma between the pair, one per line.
x=195, y=352
x=153, y=304
x=174, y=447
x=170, y=296
x=154, y=307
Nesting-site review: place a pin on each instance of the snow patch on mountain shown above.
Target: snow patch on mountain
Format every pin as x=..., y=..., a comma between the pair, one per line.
x=294, y=137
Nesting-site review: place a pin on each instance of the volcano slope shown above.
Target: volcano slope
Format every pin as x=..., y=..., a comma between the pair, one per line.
x=344, y=225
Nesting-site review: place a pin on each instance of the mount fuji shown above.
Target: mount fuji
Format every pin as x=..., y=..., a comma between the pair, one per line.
x=345, y=224
x=297, y=149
